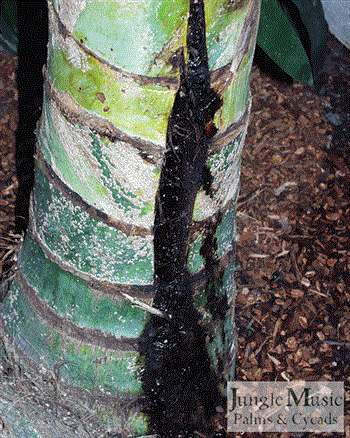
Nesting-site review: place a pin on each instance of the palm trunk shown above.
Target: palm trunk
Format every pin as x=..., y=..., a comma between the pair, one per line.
x=84, y=286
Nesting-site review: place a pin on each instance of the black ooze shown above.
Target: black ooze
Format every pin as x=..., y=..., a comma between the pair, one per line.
x=180, y=387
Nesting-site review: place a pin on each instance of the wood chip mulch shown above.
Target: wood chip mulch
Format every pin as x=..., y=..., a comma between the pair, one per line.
x=293, y=220
x=293, y=249
x=8, y=179
x=293, y=245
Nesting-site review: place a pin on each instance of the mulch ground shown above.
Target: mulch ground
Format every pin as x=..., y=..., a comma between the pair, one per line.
x=8, y=179
x=293, y=220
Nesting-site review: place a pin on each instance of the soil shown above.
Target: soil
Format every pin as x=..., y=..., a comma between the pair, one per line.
x=293, y=216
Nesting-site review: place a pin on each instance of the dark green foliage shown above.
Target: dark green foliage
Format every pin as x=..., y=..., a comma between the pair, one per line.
x=308, y=17
x=293, y=34
x=8, y=26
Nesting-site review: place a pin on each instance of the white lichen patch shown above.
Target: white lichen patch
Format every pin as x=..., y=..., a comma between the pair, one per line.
x=76, y=56
x=204, y=207
x=89, y=247
x=69, y=11
x=225, y=168
x=227, y=44
x=133, y=173
x=110, y=176
x=141, y=246
x=71, y=157
x=64, y=44
x=75, y=142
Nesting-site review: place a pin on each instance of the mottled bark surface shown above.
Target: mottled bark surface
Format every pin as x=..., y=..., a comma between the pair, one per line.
x=83, y=289
x=296, y=348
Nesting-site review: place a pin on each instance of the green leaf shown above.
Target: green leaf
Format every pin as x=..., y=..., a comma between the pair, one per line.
x=279, y=39
x=312, y=15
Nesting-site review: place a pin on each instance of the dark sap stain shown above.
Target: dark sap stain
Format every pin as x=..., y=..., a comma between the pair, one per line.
x=180, y=387
x=207, y=179
x=175, y=60
x=216, y=302
x=101, y=97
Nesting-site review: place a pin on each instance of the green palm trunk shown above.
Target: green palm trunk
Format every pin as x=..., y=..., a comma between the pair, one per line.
x=84, y=284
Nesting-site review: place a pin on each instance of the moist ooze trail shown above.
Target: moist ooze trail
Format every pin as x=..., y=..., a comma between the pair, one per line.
x=181, y=390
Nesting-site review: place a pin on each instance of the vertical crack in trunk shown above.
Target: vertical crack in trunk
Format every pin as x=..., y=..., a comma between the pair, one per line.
x=180, y=387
